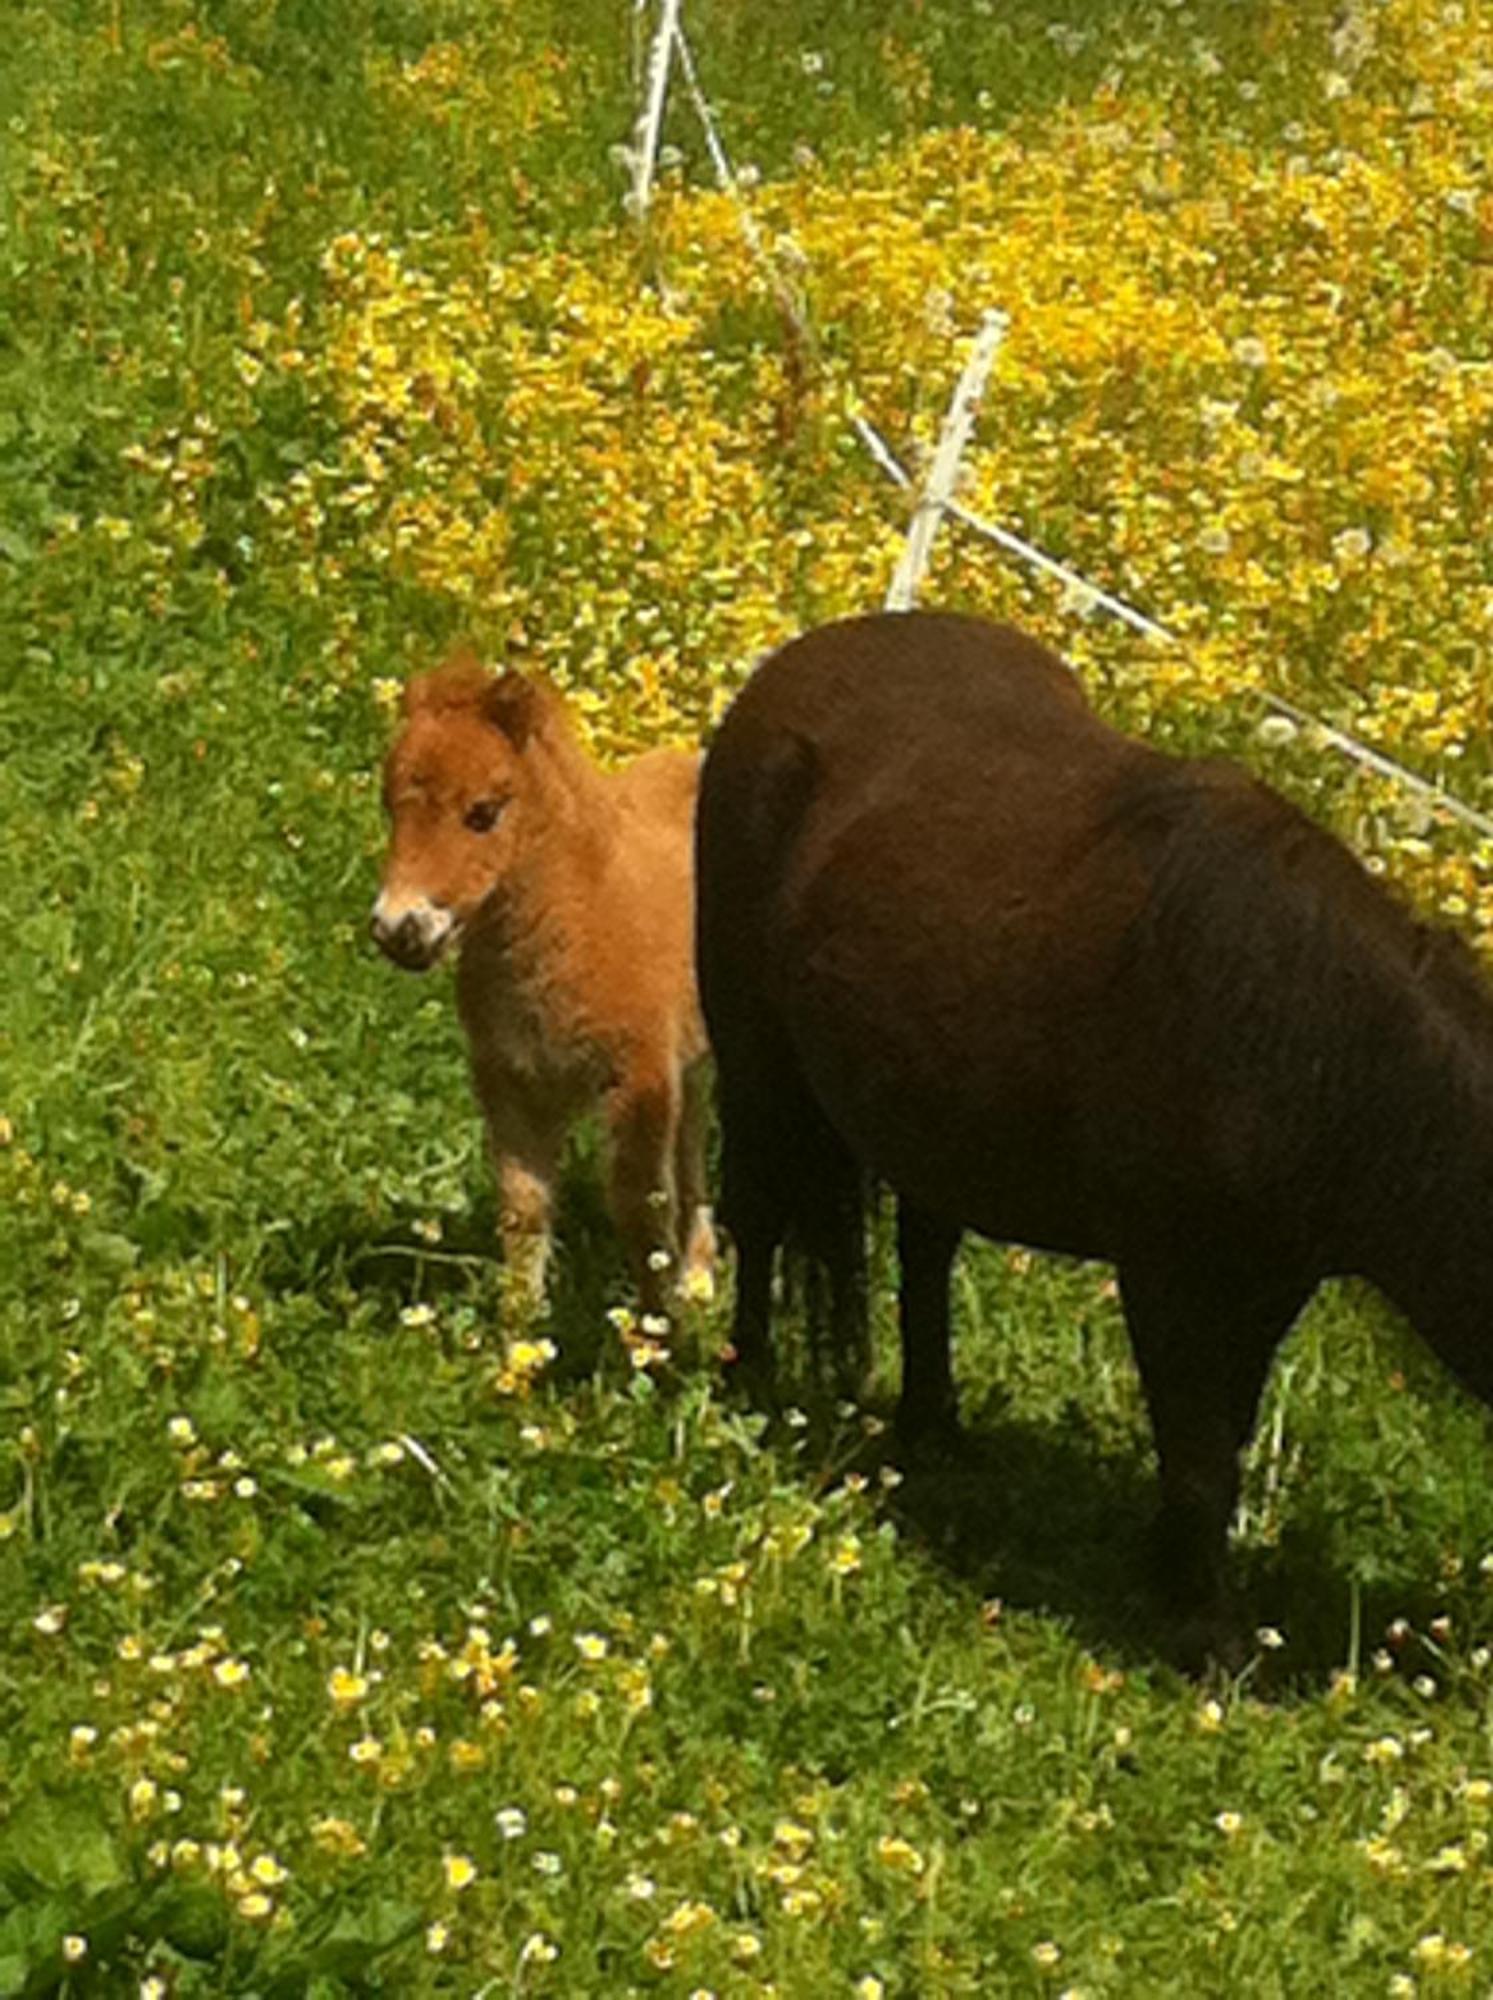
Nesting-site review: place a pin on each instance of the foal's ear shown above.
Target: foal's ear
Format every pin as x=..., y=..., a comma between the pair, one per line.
x=514, y=705
x=458, y=682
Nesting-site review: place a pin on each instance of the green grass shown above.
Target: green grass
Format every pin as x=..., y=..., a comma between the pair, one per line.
x=853, y=1721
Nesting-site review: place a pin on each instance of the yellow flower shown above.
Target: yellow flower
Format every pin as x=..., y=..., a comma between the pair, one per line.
x=899, y=1855
x=345, y=1687
x=1228, y=1824
x=231, y=1673
x=637, y=1689
x=591, y=1646
x=1448, y=1861
x=1382, y=1855
x=804, y=1902
x=338, y=1836
x=461, y=1871
x=74, y=1948
x=688, y=1918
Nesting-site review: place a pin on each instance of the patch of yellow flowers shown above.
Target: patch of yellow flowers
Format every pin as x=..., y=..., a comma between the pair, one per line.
x=1245, y=386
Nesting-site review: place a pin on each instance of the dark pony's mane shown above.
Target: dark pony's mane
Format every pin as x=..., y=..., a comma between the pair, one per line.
x=1274, y=929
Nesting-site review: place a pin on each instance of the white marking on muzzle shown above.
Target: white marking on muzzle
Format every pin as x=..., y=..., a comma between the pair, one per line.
x=411, y=929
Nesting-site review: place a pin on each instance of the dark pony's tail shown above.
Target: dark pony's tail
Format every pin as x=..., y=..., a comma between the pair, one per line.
x=785, y=1166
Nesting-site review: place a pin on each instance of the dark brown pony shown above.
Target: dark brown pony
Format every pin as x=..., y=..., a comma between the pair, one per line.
x=1054, y=986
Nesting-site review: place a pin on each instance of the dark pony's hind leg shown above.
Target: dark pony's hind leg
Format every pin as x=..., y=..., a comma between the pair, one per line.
x=787, y=1177
x=925, y=1250
x=829, y=1227
x=1203, y=1342
x=755, y=1210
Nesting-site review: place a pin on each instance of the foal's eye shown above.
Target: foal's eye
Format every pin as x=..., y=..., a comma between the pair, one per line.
x=483, y=816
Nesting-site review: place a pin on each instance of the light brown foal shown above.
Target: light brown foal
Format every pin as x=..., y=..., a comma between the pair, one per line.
x=569, y=890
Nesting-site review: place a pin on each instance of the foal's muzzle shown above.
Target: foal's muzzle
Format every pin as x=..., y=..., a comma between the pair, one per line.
x=412, y=934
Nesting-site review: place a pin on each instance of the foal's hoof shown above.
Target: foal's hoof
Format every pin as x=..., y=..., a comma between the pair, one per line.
x=697, y=1286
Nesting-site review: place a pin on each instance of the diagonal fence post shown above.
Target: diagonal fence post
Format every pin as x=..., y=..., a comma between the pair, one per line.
x=939, y=490
x=1352, y=747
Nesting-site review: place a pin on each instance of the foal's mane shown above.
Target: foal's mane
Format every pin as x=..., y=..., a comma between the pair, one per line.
x=523, y=706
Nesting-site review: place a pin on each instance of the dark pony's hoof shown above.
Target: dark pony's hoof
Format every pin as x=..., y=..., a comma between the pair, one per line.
x=926, y=1429
x=749, y=1380
x=1206, y=1644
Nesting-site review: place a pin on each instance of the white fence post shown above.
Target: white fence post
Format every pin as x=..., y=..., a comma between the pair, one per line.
x=645, y=140
x=939, y=490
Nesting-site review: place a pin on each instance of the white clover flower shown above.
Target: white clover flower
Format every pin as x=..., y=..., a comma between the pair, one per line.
x=1276, y=731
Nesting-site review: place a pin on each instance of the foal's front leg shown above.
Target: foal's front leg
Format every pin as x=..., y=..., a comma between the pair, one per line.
x=525, y=1146
x=526, y=1201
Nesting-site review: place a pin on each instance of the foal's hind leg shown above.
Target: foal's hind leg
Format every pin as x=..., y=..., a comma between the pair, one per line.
x=696, y=1232
x=1203, y=1343
x=925, y=1250
x=643, y=1114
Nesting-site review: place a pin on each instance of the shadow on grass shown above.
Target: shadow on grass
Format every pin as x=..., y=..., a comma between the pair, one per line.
x=1051, y=1516
x=1044, y=1518
x=341, y=1254
x=1048, y=1519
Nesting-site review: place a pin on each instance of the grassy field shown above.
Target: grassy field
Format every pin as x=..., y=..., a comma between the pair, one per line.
x=351, y=1641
